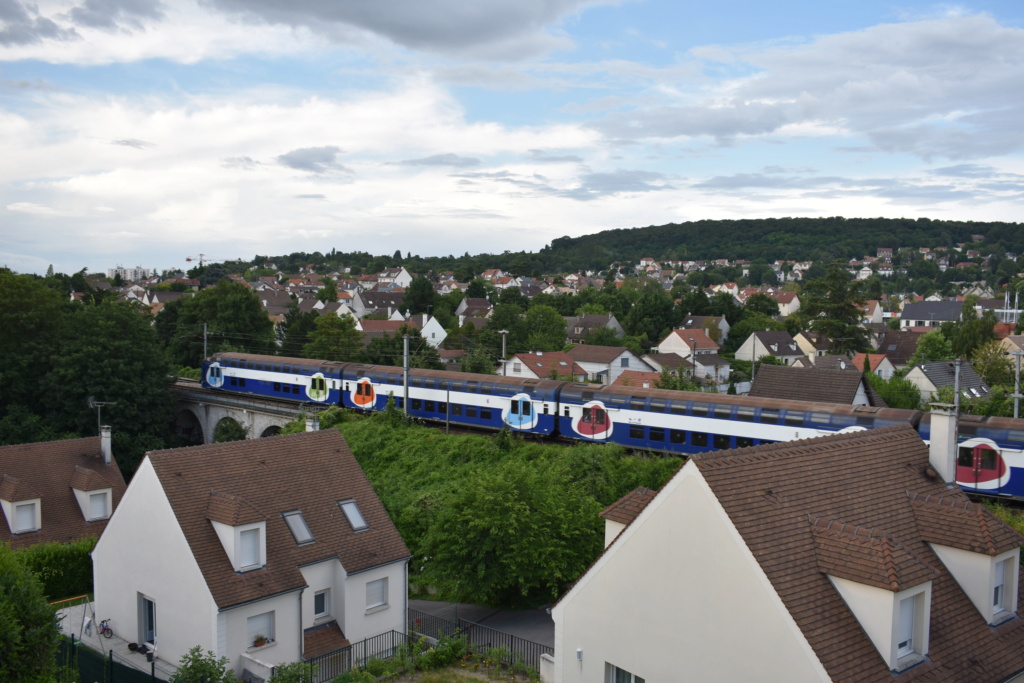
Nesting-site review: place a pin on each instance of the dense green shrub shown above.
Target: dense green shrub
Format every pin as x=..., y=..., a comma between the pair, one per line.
x=65, y=569
x=28, y=625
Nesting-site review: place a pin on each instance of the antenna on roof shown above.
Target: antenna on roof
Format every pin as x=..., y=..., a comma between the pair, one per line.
x=98, y=405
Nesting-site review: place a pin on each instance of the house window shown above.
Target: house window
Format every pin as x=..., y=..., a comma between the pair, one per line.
x=249, y=549
x=999, y=587
x=517, y=367
x=25, y=518
x=321, y=603
x=260, y=629
x=625, y=362
x=905, y=634
x=297, y=525
x=98, y=506
x=377, y=593
x=614, y=674
x=355, y=517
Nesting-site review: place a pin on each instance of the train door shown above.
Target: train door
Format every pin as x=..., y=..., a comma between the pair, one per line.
x=979, y=467
x=520, y=413
x=595, y=423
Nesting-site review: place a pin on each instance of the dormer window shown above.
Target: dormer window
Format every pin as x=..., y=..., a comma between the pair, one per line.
x=98, y=508
x=241, y=528
x=26, y=517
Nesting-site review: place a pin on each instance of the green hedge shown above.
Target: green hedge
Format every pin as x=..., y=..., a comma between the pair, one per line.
x=65, y=569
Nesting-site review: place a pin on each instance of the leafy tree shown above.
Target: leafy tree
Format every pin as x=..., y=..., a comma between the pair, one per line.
x=725, y=304
x=390, y=350
x=329, y=292
x=212, y=274
x=897, y=392
x=970, y=332
x=28, y=625
x=297, y=329
x=478, y=361
x=420, y=296
x=477, y=289
x=513, y=295
x=110, y=352
x=229, y=429
x=334, y=337
x=763, y=304
x=296, y=672
x=511, y=536
x=750, y=323
x=678, y=382
x=507, y=317
x=603, y=336
x=546, y=329
x=931, y=346
x=651, y=314
x=833, y=304
x=235, y=321
x=992, y=364
x=199, y=667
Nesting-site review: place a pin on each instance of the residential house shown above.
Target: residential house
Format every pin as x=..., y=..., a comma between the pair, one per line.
x=637, y=379
x=543, y=365
x=58, y=491
x=432, y=331
x=789, y=303
x=770, y=343
x=930, y=313
x=476, y=309
x=877, y=363
x=899, y=346
x=578, y=327
x=605, y=363
x=687, y=342
x=930, y=377
x=398, y=277
x=383, y=303
x=1013, y=343
x=262, y=551
x=847, y=386
x=813, y=345
x=672, y=363
x=782, y=563
x=871, y=312
x=715, y=326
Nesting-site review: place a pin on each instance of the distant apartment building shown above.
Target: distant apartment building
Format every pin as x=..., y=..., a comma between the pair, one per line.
x=130, y=274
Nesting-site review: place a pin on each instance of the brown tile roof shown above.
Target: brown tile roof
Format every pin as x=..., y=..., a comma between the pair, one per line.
x=231, y=510
x=862, y=479
x=811, y=384
x=48, y=470
x=543, y=364
x=636, y=378
x=320, y=640
x=952, y=521
x=310, y=472
x=625, y=509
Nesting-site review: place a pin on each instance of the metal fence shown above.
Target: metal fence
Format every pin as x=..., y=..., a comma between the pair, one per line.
x=95, y=667
x=333, y=664
x=479, y=637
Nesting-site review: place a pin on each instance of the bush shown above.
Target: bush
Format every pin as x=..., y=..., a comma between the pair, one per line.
x=28, y=625
x=296, y=672
x=65, y=569
x=196, y=667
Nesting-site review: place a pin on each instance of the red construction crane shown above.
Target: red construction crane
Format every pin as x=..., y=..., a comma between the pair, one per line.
x=202, y=258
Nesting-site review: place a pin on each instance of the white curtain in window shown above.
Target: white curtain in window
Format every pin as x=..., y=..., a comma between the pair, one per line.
x=97, y=506
x=250, y=550
x=25, y=517
x=377, y=593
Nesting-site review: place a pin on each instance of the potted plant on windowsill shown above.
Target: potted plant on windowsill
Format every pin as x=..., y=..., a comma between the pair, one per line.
x=259, y=640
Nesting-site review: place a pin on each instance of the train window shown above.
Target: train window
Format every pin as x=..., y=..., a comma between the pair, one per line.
x=250, y=365
x=471, y=386
x=286, y=368
x=865, y=422
x=526, y=408
x=678, y=408
x=720, y=441
x=416, y=381
x=794, y=419
x=234, y=382
x=455, y=386
x=399, y=401
x=416, y=404
x=698, y=438
x=566, y=411
x=514, y=408
x=636, y=403
x=821, y=418
x=745, y=414
x=657, y=434
x=657, y=405
x=723, y=412
x=470, y=411
x=744, y=442
x=588, y=395
x=442, y=407
x=277, y=386
x=241, y=381
x=636, y=432
x=486, y=388
x=277, y=368
x=545, y=408
x=1015, y=435
x=769, y=416
x=676, y=436
x=295, y=388
x=456, y=409
x=988, y=459
x=699, y=410
x=359, y=389
x=966, y=457
x=968, y=431
x=485, y=413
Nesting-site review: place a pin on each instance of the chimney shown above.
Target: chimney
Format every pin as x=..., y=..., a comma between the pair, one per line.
x=108, y=454
x=942, y=448
x=312, y=423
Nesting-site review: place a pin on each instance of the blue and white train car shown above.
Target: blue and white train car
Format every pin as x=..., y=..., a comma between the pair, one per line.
x=686, y=422
x=313, y=381
x=483, y=401
x=990, y=454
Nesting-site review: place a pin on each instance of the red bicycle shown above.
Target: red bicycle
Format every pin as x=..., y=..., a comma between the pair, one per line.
x=105, y=630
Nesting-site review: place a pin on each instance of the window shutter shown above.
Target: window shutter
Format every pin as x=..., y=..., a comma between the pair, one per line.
x=997, y=590
x=377, y=593
x=97, y=506
x=250, y=550
x=26, y=517
x=905, y=635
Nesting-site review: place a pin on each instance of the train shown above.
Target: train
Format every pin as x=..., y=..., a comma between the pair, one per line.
x=990, y=458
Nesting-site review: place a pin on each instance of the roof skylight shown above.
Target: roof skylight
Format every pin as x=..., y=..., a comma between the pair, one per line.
x=355, y=517
x=297, y=525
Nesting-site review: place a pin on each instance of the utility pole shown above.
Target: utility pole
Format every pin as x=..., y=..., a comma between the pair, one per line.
x=405, y=375
x=504, y=362
x=956, y=387
x=204, y=341
x=1016, y=386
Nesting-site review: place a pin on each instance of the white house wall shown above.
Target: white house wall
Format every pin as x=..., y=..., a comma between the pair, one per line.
x=287, y=643
x=320, y=576
x=678, y=596
x=144, y=551
x=361, y=623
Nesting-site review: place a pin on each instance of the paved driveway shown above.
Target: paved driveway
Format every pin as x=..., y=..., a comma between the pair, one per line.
x=529, y=624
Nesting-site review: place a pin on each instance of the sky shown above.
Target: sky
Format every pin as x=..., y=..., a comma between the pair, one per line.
x=145, y=132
